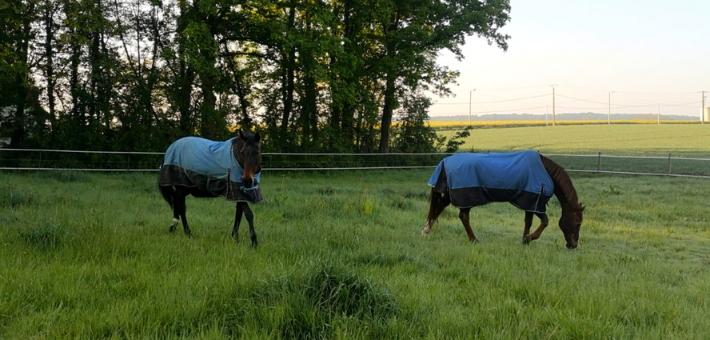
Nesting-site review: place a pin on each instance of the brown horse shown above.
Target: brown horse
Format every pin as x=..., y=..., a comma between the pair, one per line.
x=570, y=220
x=203, y=168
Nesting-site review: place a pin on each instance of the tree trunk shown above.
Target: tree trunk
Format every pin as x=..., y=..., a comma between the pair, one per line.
x=309, y=116
x=208, y=124
x=288, y=79
x=390, y=102
x=21, y=80
x=183, y=82
x=246, y=122
x=49, y=55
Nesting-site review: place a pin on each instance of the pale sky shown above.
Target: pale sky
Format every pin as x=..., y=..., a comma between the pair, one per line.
x=649, y=52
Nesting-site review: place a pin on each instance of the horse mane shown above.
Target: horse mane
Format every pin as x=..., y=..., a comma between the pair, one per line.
x=564, y=190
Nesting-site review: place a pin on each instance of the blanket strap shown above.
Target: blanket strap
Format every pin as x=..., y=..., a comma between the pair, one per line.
x=542, y=192
x=229, y=183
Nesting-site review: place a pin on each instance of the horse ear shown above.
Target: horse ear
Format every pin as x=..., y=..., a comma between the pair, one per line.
x=241, y=135
x=256, y=138
x=581, y=209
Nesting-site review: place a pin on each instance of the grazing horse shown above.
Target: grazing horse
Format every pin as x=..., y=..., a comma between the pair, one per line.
x=204, y=168
x=525, y=179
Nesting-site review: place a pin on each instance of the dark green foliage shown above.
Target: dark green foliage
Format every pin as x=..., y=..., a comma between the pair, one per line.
x=457, y=140
x=42, y=237
x=65, y=176
x=412, y=133
x=315, y=301
x=11, y=197
x=310, y=76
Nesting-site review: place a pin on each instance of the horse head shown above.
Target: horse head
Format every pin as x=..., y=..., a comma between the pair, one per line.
x=570, y=222
x=247, y=152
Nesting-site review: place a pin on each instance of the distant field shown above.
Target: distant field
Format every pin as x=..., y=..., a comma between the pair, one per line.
x=522, y=123
x=88, y=256
x=626, y=139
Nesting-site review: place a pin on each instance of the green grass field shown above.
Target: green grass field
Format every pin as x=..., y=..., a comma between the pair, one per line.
x=341, y=257
x=619, y=139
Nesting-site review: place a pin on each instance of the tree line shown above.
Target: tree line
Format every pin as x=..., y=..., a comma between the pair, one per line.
x=309, y=75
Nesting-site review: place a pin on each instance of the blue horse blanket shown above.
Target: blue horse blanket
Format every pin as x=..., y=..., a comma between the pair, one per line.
x=208, y=166
x=476, y=179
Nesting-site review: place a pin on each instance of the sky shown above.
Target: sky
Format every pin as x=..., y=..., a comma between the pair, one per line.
x=654, y=55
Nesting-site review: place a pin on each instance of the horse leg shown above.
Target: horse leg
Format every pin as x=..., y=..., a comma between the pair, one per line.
x=250, y=219
x=176, y=212
x=237, y=220
x=437, y=204
x=464, y=216
x=180, y=195
x=528, y=224
x=427, y=226
x=544, y=220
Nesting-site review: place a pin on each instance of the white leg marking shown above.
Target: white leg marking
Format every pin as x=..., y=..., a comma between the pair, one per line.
x=426, y=230
x=175, y=222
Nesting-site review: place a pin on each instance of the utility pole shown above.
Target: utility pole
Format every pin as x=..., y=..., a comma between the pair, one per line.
x=608, y=117
x=470, y=94
x=553, y=104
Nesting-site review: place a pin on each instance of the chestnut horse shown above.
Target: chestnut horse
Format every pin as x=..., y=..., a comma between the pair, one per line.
x=531, y=197
x=203, y=168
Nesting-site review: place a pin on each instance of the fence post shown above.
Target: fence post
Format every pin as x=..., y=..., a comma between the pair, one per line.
x=669, y=163
x=599, y=162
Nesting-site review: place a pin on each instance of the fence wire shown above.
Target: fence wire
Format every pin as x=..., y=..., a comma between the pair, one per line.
x=117, y=161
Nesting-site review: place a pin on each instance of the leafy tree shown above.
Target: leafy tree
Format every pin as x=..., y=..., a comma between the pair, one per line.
x=412, y=133
x=310, y=75
x=412, y=31
x=457, y=140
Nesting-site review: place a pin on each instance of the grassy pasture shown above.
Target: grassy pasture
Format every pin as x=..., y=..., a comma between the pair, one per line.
x=341, y=257
x=629, y=139
x=460, y=124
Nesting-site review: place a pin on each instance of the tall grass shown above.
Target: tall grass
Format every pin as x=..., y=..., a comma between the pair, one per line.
x=341, y=257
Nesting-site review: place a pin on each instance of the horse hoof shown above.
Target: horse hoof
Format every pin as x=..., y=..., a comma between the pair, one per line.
x=172, y=229
x=474, y=241
x=254, y=245
x=526, y=239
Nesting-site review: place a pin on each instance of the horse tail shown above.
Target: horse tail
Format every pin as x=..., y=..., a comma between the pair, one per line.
x=437, y=203
x=168, y=194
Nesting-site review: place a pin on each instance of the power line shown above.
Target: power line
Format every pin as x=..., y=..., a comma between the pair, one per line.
x=580, y=99
x=581, y=108
x=622, y=106
x=591, y=100
x=489, y=111
x=644, y=100
x=495, y=101
x=617, y=91
x=511, y=110
x=511, y=88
